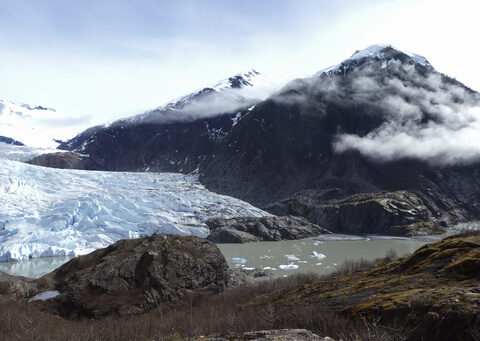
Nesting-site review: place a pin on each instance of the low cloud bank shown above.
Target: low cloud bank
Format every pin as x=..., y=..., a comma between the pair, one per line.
x=425, y=116
x=207, y=103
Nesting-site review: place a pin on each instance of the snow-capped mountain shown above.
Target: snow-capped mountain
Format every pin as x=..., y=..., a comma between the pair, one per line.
x=36, y=126
x=329, y=146
x=175, y=137
x=386, y=54
x=228, y=95
x=55, y=212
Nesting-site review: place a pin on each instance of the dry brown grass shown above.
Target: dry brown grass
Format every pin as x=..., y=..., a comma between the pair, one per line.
x=204, y=314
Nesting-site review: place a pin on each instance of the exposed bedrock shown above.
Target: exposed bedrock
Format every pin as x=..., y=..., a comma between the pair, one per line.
x=246, y=229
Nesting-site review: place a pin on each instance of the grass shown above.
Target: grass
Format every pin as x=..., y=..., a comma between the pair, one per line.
x=233, y=310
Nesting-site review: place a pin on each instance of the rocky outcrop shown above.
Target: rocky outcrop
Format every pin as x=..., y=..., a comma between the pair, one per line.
x=251, y=229
x=136, y=275
x=242, y=277
x=9, y=140
x=65, y=160
x=17, y=286
x=265, y=335
x=388, y=213
x=434, y=292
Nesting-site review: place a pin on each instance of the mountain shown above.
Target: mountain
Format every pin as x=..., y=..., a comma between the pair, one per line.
x=380, y=143
x=173, y=138
x=35, y=126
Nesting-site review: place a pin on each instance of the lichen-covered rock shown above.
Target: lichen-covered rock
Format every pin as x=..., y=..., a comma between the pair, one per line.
x=136, y=275
x=434, y=292
x=252, y=229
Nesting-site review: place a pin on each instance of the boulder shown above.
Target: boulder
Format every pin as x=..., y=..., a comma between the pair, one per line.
x=252, y=229
x=136, y=275
x=242, y=277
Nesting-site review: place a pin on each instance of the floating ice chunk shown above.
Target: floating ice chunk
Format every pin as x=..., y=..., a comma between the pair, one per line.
x=290, y=266
x=292, y=257
x=269, y=268
x=318, y=255
x=44, y=296
x=245, y=268
x=318, y=264
x=317, y=242
x=302, y=261
x=238, y=260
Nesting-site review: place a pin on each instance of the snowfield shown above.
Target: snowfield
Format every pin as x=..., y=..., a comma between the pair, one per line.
x=37, y=126
x=56, y=212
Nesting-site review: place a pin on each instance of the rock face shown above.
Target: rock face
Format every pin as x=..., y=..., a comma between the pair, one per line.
x=137, y=275
x=387, y=213
x=244, y=230
x=434, y=292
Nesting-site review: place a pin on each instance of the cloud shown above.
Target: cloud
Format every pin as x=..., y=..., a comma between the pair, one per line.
x=427, y=117
x=208, y=103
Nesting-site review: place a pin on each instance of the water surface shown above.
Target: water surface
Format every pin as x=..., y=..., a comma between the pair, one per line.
x=320, y=255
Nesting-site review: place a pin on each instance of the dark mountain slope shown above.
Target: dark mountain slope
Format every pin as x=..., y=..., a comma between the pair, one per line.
x=289, y=154
x=172, y=138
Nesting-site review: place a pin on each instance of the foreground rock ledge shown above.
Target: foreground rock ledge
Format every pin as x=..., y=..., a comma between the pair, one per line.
x=136, y=275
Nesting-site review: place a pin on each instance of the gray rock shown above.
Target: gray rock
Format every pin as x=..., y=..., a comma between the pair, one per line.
x=136, y=275
x=249, y=229
x=244, y=277
x=400, y=213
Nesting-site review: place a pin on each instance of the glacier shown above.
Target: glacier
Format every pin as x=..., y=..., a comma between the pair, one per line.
x=57, y=212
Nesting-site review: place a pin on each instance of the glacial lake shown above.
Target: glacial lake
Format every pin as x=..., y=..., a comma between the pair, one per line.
x=319, y=255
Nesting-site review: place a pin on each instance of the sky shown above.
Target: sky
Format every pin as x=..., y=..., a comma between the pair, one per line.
x=108, y=59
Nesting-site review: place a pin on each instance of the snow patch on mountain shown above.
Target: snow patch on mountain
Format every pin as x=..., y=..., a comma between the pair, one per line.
x=38, y=126
x=233, y=93
x=56, y=212
x=378, y=52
